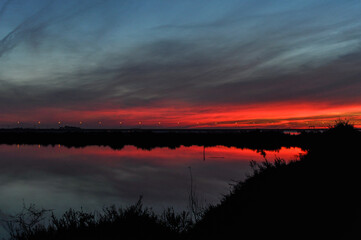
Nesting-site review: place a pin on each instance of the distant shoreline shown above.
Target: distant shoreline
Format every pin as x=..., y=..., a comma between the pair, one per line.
x=257, y=139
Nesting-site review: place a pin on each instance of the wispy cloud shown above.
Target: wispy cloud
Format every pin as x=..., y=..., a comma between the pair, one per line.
x=97, y=55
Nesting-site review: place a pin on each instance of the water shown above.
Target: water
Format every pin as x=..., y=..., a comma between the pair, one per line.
x=60, y=178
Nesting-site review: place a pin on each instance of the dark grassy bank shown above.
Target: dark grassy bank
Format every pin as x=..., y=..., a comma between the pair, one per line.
x=148, y=139
x=315, y=197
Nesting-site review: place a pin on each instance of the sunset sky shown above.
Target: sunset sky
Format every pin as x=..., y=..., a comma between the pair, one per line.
x=186, y=63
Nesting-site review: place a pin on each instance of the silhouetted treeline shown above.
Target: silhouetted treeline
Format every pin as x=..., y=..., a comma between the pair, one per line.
x=316, y=197
x=149, y=139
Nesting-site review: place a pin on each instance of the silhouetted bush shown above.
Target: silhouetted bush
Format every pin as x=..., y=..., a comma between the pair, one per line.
x=133, y=222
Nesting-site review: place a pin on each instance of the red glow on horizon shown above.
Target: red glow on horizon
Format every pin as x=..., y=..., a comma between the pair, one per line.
x=275, y=115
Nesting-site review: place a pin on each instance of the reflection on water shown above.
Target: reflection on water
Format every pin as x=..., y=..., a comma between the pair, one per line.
x=294, y=133
x=59, y=178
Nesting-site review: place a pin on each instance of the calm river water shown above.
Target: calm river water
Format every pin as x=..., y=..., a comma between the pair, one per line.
x=60, y=178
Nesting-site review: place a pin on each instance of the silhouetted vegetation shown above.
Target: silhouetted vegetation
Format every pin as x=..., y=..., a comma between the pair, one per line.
x=314, y=197
x=133, y=222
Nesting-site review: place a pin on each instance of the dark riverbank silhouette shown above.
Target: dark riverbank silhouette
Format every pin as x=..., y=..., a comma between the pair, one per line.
x=149, y=139
x=315, y=197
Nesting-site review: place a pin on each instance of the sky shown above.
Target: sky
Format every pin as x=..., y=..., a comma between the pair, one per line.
x=186, y=63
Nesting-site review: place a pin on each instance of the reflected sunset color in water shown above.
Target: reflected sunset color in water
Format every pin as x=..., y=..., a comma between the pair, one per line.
x=92, y=177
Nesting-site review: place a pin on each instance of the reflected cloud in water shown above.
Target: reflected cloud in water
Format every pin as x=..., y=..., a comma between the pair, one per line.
x=59, y=178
